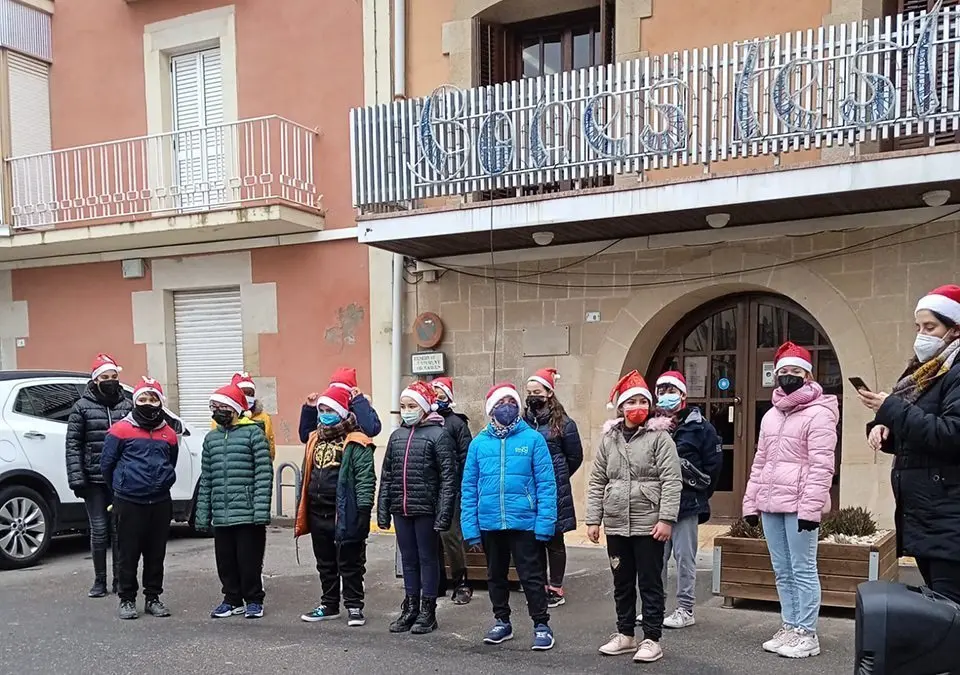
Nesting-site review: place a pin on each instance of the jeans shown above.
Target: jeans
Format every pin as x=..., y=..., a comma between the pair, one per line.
x=103, y=534
x=498, y=545
x=555, y=560
x=453, y=553
x=682, y=545
x=637, y=562
x=793, y=555
x=344, y=563
x=143, y=530
x=419, y=554
x=942, y=576
x=239, y=550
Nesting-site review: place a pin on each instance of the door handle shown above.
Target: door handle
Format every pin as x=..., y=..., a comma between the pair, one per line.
x=34, y=435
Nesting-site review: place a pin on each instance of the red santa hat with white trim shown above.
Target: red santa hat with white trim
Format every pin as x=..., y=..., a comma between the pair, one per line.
x=444, y=384
x=790, y=354
x=244, y=381
x=345, y=378
x=337, y=399
x=630, y=385
x=103, y=363
x=547, y=377
x=498, y=392
x=231, y=396
x=423, y=394
x=673, y=378
x=148, y=385
x=944, y=300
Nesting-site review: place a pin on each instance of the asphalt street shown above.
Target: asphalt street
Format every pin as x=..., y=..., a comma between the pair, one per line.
x=50, y=626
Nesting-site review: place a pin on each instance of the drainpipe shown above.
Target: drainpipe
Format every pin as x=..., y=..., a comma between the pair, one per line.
x=399, y=92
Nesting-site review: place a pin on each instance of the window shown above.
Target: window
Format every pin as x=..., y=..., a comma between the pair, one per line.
x=48, y=401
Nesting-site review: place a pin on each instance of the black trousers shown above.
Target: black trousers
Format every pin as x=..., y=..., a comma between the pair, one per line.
x=103, y=528
x=142, y=531
x=555, y=560
x=336, y=563
x=239, y=550
x=637, y=562
x=498, y=545
x=943, y=576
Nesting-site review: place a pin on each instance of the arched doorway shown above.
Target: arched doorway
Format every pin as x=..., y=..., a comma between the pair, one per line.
x=726, y=350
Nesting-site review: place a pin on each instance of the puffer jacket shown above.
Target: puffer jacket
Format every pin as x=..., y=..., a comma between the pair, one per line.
x=508, y=484
x=236, y=477
x=87, y=428
x=419, y=474
x=634, y=484
x=699, y=447
x=140, y=465
x=566, y=453
x=457, y=425
x=793, y=469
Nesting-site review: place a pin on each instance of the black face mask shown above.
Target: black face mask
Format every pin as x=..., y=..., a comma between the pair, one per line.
x=223, y=417
x=536, y=403
x=110, y=389
x=790, y=383
x=148, y=416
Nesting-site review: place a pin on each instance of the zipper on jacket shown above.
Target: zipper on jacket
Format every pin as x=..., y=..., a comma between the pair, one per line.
x=223, y=468
x=406, y=456
x=503, y=473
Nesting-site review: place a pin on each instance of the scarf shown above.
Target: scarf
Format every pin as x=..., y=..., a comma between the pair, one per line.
x=338, y=431
x=919, y=378
x=503, y=432
x=808, y=393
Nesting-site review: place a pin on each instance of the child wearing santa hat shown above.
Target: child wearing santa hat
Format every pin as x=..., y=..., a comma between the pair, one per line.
x=509, y=504
x=789, y=490
x=634, y=492
x=344, y=378
x=418, y=486
x=254, y=410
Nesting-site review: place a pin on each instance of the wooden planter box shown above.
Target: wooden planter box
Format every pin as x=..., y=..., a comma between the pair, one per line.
x=742, y=570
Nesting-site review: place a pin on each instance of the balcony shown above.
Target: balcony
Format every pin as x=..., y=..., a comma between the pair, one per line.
x=254, y=177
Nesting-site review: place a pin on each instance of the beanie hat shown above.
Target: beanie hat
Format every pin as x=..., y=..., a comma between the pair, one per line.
x=444, y=384
x=499, y=392
x=673, y=378
x=545, y=376
x=790, y=354
x=944, y=300
x=230, y=395
x=423, y=394
x=101, y=364
x=630, y=385
x=148, y=385
x=337, y=399
x=244, y=381
x=345, y=378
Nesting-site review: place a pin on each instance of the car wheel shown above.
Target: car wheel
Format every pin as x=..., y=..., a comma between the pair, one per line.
x=26, y=527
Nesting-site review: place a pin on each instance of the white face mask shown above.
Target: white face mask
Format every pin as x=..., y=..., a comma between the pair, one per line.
x=927, y=346
x=250, y=401
x=411, y=417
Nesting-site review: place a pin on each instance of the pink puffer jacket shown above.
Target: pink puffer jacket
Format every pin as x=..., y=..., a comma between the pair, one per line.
x=793, y=468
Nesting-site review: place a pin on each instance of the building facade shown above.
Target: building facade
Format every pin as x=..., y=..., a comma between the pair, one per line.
x=603, y=185
x=176, y=193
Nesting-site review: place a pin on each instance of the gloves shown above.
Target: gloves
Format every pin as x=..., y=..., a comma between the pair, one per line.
x=383, y=524
x=806, y=525
x=753, y=520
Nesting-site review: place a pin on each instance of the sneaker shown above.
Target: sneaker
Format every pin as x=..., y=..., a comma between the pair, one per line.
x=680, y=618
x=154, y=607
x=781, y=636
x=355, y=617
x=128, y=610
x=462, y=595
x=648, y=652
x=501, y=632
x=542, y=638
x=800, y=644
x=253, y=611
x=225, y=609
x=99, y=588
x=619, y=644
x=321, y=613
x=555, y=597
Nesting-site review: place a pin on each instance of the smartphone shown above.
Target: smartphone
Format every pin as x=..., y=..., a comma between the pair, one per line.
x=859, y=384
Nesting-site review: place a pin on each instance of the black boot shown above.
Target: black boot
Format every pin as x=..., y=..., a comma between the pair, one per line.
x=409, y=611
x=427, y=621
x=99, y=588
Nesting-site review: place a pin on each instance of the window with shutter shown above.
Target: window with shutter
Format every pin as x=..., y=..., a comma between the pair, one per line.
x=33, y=181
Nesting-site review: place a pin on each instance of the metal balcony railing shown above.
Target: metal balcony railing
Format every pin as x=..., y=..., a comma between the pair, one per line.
x=261, y=160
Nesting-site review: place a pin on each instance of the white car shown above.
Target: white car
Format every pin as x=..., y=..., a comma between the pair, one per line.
x=36, y=502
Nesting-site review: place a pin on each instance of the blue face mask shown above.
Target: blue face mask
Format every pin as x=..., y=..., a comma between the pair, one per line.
x=669, y=401
x=506, y=414
x=328, y=419
x=442, y=405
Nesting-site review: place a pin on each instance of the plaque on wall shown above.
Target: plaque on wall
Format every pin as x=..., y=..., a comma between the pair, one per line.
x=695, y=372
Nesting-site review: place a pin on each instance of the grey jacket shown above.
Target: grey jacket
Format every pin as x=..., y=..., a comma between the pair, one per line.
x=634, y=484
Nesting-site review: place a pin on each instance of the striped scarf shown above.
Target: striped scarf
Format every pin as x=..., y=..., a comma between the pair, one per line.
x=920, y=378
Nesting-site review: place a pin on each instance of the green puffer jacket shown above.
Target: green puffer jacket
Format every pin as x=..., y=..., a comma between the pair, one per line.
x=236, y=477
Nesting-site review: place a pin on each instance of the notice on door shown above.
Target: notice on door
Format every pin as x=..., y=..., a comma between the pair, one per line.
x=768, y=378
x=695, y=372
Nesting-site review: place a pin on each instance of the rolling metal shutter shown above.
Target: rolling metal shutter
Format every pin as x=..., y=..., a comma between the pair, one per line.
x=209, y=337
x=30, y=134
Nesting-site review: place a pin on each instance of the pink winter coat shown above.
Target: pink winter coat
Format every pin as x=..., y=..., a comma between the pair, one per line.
x=793, y=468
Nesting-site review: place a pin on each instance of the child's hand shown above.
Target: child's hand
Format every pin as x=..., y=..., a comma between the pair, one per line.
x=312, y=399
x=593, y=533
x=662, y=531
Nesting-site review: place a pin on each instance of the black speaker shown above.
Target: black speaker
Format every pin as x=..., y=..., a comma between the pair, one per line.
x=905, y=630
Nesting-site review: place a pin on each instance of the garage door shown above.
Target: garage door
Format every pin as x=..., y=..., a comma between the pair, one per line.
x=209, y=337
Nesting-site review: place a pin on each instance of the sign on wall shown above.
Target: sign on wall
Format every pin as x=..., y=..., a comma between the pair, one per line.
x=428, y=363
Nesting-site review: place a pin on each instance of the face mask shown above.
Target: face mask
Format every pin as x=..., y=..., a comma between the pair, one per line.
x=250, y=401
x=536, y=403
x=223, y=417
x=668, y=401
x=636, y=416
x=442, y=405
x=411, y=417
x=147, y=415
x=790, y=383
x=927, y=346
x=506, y=414
x=328, y=419
x=109, y=388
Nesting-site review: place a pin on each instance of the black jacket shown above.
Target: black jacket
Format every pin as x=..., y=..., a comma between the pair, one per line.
x=566, y=452
x=457, y=425
x=698, y=443
x=925, y=441
x=87, y=427
x=419, y=474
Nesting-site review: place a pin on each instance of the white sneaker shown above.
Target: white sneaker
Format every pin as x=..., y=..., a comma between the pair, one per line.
x=649, y=652
x=680, y=618
x=781, y=636
x=800, y=644
x=619, y=644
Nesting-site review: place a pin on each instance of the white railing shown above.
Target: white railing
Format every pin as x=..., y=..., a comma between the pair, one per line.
x=216, y=167
x=836, y=85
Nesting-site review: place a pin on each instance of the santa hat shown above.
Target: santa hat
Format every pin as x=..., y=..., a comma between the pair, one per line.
x=101, y=364
x=944, y=300
x=444, y=384
x=337, y=399
x=790, y=354
x=499, y=392
x=674, y=379
x=148, y=385
x=630, y=385
x=230, y=395
x=423, y=394
x=546, y=376
x=244, y=381
x=345, y=378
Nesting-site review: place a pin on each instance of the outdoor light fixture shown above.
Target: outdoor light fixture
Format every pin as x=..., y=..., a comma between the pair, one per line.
x=936, y=197
x=544, y=238
x=718, y=220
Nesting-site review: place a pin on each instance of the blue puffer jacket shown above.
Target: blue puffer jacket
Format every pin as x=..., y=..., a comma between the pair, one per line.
x=139, y=465
x=508, y=484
